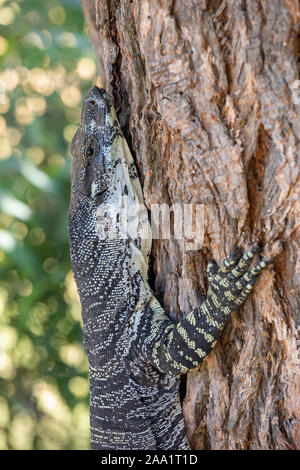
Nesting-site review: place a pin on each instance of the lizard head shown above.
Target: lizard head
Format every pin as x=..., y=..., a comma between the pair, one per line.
x=91, y=145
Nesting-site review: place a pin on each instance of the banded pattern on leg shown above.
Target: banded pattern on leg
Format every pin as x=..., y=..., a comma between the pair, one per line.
x=181, y=347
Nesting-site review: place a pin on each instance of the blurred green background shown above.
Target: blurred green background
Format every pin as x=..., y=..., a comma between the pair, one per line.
x=46, y=67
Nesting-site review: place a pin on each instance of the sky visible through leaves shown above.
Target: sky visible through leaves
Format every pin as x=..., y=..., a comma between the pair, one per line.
x=46, y=68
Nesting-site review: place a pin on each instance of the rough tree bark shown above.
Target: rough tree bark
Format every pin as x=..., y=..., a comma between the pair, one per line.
x=207, y=96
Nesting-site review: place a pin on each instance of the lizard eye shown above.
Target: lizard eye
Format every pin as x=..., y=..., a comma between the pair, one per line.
x=92, y=102
x=90, y=152
x=90, y=149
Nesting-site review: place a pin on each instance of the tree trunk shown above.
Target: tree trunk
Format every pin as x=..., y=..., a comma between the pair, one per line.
x=208, y=98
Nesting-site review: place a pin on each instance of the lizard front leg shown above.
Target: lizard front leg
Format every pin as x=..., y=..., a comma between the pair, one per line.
x=176, y=348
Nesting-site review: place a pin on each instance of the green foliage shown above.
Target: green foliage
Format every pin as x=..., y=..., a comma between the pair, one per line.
x=46, y=66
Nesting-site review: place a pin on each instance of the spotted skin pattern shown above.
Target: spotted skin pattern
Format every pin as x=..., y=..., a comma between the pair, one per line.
x=136, y=354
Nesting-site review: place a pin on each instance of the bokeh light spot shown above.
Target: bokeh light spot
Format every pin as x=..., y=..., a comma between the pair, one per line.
x=86, y=68
x=9, y=78
x=37, y=236
x=66, y=40
x=79, y=387
x=7, y=241
x=50, y=265
x=19, y=229
x=69, y=132
x=72, y=354
x=37, y=104
x=35, y=154
x=4, y=106
x=14, y=136
x=8, y=337
x=57, y=15
x=50, y=401
x=23, y=113
x=3, y=45
x=7, y=16
x=25, y=288
x=25, y=355
x=5, y=148
x=7, y=370
x=34, y=39
x=4, y=413
x=38, y=316
x=56, y=160
x=59, y=76
x=2, y=125
x=33, y=17
x=41, y=82
x=21, y=432
x=71, y=96
x=23, y=74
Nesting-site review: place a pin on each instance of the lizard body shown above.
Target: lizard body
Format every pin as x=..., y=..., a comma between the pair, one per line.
x=136, y=354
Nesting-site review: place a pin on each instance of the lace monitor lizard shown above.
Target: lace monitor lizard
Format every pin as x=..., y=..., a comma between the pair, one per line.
x=136, y=353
